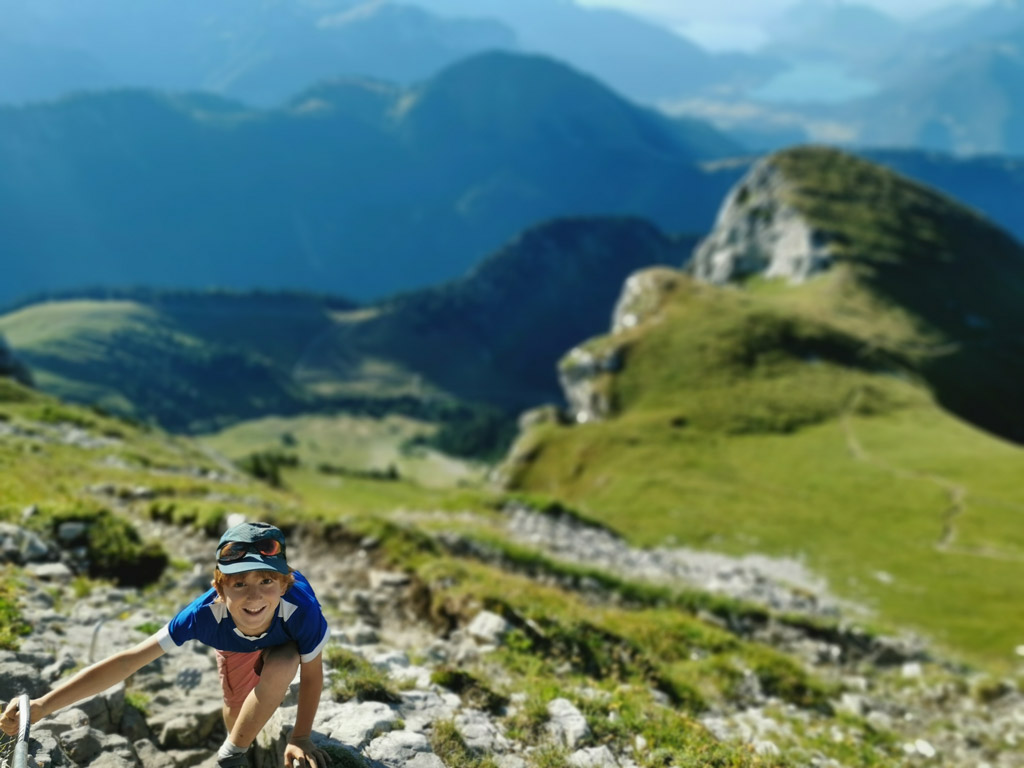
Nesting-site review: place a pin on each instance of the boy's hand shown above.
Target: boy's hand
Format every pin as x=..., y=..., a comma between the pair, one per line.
x=301, y=752
x=9, y=719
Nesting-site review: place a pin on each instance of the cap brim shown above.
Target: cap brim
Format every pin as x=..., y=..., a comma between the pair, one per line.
x=255, y=562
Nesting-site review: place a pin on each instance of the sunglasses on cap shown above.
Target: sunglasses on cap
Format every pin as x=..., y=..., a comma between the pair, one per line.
x=236, y=550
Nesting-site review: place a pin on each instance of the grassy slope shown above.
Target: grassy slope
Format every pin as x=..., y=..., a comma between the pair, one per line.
x=43, y=466
x=635, y=643
x=359, y=444
x=802, y=421
x=193, y=361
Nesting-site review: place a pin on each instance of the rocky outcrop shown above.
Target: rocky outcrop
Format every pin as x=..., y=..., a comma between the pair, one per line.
x=584, y=372
x=642, y=296
x=758, y=232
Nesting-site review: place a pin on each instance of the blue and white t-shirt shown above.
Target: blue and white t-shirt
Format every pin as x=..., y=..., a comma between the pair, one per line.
x=299, y=620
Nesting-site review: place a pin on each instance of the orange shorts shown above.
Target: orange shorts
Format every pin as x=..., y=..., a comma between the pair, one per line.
x=239, y=673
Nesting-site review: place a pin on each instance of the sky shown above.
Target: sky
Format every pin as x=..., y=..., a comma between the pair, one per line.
x=734, y=24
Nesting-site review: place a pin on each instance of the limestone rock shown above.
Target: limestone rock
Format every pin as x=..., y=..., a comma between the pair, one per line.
x=758, y=232
x=643, y=295
x=581, y=374
x=567, y=725
x=404, y=749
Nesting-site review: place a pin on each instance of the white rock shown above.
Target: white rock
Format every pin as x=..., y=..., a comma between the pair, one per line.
x=479, y=732
x=924, y=749
x=357, y=723
x=766, y=748
x=50, y=571
x=911, y=669
x=404, y=749
x=488, y=627
x=567, y=726
x=593, y=757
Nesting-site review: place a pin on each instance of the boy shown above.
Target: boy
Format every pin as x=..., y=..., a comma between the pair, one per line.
x=264, y=622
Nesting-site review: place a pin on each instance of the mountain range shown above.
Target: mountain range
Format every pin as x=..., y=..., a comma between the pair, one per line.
x=356, y=188
x=859, y=78
x=957, y=68
x=265, y=54
x=262, y=54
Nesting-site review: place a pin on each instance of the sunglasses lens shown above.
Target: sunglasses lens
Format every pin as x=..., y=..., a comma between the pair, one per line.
x=269, y=547
x=232, y=551
x=235, y=550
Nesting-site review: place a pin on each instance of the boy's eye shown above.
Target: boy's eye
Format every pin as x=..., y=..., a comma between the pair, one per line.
x=267, y=580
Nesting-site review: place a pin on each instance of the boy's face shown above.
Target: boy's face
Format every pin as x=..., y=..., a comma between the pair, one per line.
x=252, y=598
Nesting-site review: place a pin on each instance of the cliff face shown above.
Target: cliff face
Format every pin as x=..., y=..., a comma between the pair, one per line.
x=758, y=232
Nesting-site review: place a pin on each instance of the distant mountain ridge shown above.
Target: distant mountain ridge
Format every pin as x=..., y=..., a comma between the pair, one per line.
x=357, y=188
x=263, y=54
x=636, y=57
x=198, y=361
x=967, y=102
x=260, y=53
x=493, y=335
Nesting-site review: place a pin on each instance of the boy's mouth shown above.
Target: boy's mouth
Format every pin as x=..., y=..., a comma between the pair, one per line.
x=255, y=611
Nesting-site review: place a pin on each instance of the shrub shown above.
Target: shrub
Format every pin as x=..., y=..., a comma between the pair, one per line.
x=356, y=678
x=470, y=688
x=449, y=745
x=113, y=547
x=266, y=465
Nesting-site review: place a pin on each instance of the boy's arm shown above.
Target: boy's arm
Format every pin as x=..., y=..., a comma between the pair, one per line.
x=89, y=681
x=311, y=685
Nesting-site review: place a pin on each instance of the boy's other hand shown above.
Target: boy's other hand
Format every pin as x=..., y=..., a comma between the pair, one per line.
x=301, y=752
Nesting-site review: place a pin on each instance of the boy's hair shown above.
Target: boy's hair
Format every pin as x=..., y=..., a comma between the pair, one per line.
x=219, y=578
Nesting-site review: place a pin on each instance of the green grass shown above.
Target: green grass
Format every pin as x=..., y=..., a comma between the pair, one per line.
x=954, y=275
x=12, y=625
x=351, y=442
x=448, y=745
x=196, y=372
x=849, y=517
x=356, y=678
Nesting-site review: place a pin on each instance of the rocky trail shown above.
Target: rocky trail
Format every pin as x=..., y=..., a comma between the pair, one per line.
x=169, y=714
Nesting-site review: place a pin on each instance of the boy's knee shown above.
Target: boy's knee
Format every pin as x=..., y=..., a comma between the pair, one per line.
x=281, y=660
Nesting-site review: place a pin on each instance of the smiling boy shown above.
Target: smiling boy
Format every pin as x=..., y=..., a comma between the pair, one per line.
x=264, y=622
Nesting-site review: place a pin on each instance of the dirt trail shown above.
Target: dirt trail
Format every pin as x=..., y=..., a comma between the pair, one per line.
x=956, y=492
